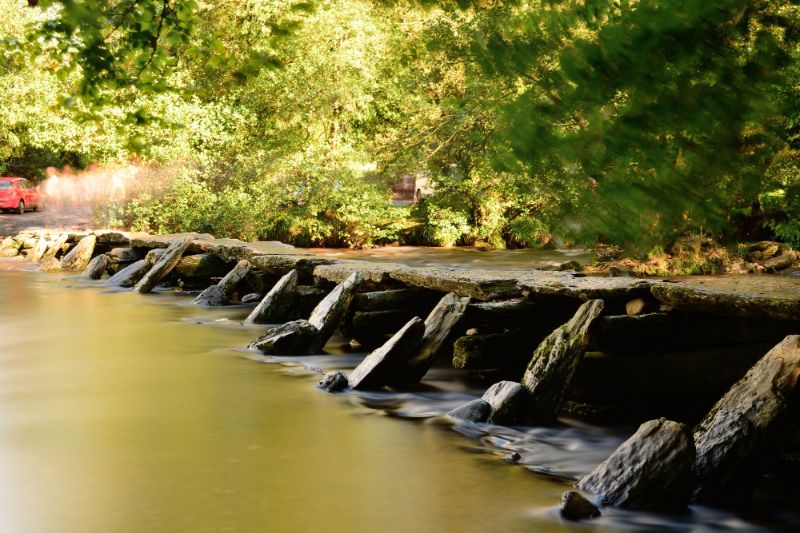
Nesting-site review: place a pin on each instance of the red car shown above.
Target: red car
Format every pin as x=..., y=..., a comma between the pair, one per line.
x=19, y=194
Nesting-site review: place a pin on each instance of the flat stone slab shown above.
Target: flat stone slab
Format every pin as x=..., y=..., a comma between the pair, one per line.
x=768, y=296
x=283, y=263
x=481, y=285
x=748, y=295
x=339, y=270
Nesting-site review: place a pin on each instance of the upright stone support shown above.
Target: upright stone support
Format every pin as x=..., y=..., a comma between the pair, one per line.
x=383, y=366
x=438, y=326
x=327, y=315
x=277, y=304
x=291, y=338
x=78, y=258
x=38, y=250
x=128, y=276
x=50, y=261
x=220, y=293
x=554, y=362
x=301, y=337
x=650, y=470
x=163, y=266
x=734, y=439
x=96, y=267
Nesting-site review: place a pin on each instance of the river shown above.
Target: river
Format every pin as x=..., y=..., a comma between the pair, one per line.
x=121, y=412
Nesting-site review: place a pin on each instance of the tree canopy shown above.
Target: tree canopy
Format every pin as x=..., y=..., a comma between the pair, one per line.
x=629, y=122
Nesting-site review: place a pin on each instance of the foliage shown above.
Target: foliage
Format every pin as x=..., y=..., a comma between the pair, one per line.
x=535, y=122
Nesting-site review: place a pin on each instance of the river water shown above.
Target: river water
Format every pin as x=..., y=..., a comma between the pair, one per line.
x=129, y=413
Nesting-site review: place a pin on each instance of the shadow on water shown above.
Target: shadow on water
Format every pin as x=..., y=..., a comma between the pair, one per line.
x=125, y=413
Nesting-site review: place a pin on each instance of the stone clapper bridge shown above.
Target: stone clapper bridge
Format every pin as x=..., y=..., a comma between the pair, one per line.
x=721, y=353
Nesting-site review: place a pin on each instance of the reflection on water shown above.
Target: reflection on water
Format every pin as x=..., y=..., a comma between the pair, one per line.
x=461, y=257
x=120, y=413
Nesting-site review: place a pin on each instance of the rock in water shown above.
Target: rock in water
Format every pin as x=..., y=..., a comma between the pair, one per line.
x=554, y=362
x=575, y=507
x=9, y=247
x=220, y=293
x=734, y=439
x=292, y=338
x=38, y=250
x=251, y=297
x=333, y=382
x=507, y=399
x=154, y=255
x=163, y=266
x=327, y=315
x=55, y=248
x=50, y=264
x=650, y=470
x=128, y=276
x=276, y=306
x=438, y=326
x=77, y=258
x=382, y=366
x=474, y=411
x=96, y=267
x=779, y=262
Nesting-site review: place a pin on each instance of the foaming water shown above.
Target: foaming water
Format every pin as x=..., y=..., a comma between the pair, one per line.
x=120, y=412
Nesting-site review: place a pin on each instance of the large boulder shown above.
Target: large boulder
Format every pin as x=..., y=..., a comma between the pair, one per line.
x=78, y=258
x=779, y=262
x=759, y=252
x=276, y=306
x=291, y=338
x=650, y=470
x=477, y=410
x=736, y=438
x=163, y=266
x=507, y=400
x=384, y=365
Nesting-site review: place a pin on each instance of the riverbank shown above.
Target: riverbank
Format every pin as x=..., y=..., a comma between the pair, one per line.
x=650, y=347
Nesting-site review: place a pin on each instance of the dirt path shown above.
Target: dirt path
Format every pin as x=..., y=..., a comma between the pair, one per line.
x=78, y=217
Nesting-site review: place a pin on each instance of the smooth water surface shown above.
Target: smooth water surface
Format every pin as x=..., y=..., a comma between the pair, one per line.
x=119, y=414
x=128, y=413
